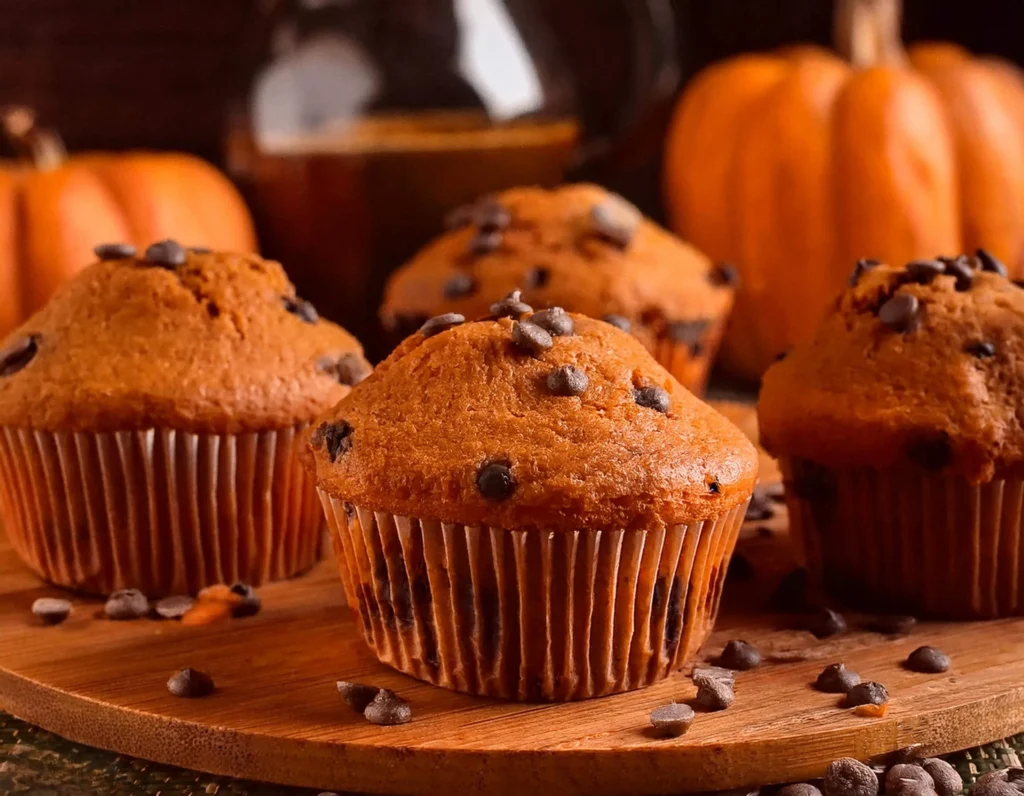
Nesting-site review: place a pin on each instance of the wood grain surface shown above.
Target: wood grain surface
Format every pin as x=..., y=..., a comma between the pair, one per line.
x=276, y=716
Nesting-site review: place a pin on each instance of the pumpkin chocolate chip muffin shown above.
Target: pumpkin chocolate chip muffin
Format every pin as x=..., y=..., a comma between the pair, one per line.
x=149, y=417
x=577, y=247
x=900, y=435
x=530, y=507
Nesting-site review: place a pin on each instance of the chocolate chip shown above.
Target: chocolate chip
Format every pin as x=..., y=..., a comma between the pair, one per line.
x=301, y=309
x=740, y=568
x=512, y=306
x=388, y=709
x=190, y=684
x=174, y=607
x=931, y=454
x=928, y=660
x=166, y=254
x=892, y=625
x=947, y=779
x=714, y=694
x=849, y=777
x=982, y=349
x=869, y=693
x=461, y=216
x=212, y=309
x=989, y=262
x=860, y=268
x=51, y=610
x=484, y=243
x=618, y=321
x=724, y=275
x=902, y=773
x=836, y=679
x=555, y=321
x=567, y=380
x=459, y=286
x=495, y=481
x=689, y=333
x=16, y=355
x=200, y=250
x=490, y=215
x=250, y=603
x=672, y=720
x=714, y=487
x=790, y=595
x=357, y=695
x=336, y=437
x=995, y=783
x=615, y=220
x=901, y=313
x=713, y=673
x=740, y=656
x=537, y=277
x=114, y=251
x=531, y=338
x=348, y=369
x=126, y=604
x=924, y=271
x=653, y=398
x=962, y=272
x=799, y=789
x=441, y=323
x=826, y=623
x=760, y=508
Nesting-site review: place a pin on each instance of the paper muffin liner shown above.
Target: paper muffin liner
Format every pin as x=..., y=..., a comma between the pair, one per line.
x=909, y=541
x=531, y=615
x=164, y=511
x=689, y=362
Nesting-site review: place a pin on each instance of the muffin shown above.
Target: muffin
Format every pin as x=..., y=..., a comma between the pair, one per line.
x=899, y=433
x=150, y=417
x=577, y=247
x=530, y=507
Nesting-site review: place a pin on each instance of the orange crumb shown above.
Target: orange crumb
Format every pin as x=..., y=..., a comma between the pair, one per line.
x=871, y=711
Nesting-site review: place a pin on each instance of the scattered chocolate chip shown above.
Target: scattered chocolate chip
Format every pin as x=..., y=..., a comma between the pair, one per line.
x=461, y=216
x=114, y=251
x=490, y=215
x=653, y=398
x=484, y=243
x=740, y=568
x=836, y=679
x=615, y=220
x=869, y=693
x=165, y=254
x=990, y=263
x=190, y=684
x=931, y=454
x=849, y=777
x=690, y=334
x=357, y=695
x=704, y=674
x=512, y=306
x=892, y=625
x=51, y=610
x=555, y=321
x=994, y=783
x=759, y=508
x=618, y=321
x=928, y=660
x=925, y=271
x=672, y=720
x=826, y=623
x=901, y=313
x=947, y=779
x=126, y=604
x=724, y=275
x=348, y=369
x=567, y=380
x=459, y=286
x=336, y=437
x=250, y=603
x=902, y=773
x=174, y=607
x=537, y=277
x=200, y=250
x=739, y=656
x=860, y=268
x=441, y=323
x=16, y=355
x=790, y=595
x=495, y=481
x=982, y=349
x=300, y=309
x=962, y=272
x=388, y=709
x=714, y=694
x=799, y=789
x=531, y=338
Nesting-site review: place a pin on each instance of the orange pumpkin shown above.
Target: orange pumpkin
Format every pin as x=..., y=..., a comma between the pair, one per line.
x=794, y=165
x=54, y=209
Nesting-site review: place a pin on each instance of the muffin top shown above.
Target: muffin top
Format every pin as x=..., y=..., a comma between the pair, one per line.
x=922, y=364
x=175, y=338
x=578, y=247
x=531, y=420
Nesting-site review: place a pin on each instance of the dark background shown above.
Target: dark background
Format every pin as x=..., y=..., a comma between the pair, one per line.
x=116, y=74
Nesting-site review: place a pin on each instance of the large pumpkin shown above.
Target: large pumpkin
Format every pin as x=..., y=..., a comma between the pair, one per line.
x=794, y=165
x=54, y=209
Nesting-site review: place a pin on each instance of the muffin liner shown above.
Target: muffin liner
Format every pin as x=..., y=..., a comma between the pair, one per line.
x=164, y=511
x=531, y=615
x=908, y=540
x=689, y=362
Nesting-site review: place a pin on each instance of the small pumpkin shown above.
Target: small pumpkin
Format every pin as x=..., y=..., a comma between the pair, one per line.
x=793, y=165
x=54, y=209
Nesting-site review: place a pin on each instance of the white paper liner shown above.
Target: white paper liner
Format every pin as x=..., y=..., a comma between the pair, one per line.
x=163, y=511
x=531, y=615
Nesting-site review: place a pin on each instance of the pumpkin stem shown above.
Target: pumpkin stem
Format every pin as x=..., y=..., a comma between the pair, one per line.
x=867, y=32
x=42, y=147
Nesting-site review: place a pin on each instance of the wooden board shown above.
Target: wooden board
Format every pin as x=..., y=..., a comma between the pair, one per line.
x=276, y=715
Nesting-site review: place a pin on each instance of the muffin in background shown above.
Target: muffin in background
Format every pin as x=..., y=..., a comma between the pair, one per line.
x=899, y=430
x=530, y=507
x=149, y=419
x=581, y=248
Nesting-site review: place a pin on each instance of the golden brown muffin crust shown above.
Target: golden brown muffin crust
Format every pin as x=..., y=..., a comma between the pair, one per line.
x=412, y=438
x=207, y=346
x=945, y=394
